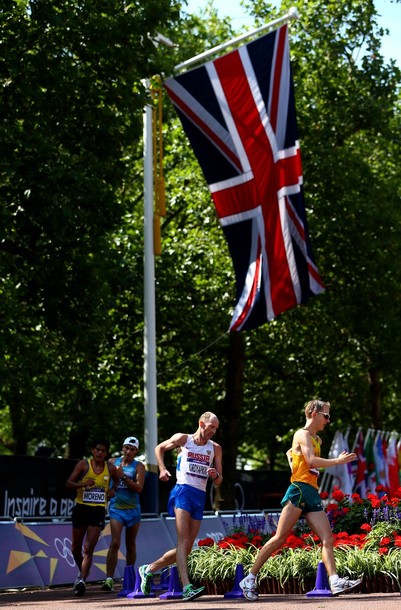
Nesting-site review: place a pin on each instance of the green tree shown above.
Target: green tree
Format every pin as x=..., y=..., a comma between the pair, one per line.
x=72, y=98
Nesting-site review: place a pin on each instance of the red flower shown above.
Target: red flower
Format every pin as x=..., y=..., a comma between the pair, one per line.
x=206, y=542
x=342, y=535
x=383, y=550
x=374, y=500
x=337, y=494
x=365, y=527
x=324, y=495
x=356, y=499
x=385, y=541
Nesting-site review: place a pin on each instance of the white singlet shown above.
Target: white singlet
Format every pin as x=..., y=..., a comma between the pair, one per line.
x=193, y=463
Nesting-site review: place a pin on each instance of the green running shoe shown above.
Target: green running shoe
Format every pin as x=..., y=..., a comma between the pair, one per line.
x=191, y=593
x=146, y=579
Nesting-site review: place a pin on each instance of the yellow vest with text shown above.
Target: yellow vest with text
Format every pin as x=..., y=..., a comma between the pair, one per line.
x=301, y=473
x=96, y=495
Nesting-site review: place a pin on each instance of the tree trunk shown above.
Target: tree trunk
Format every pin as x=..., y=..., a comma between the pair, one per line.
x=228, y=414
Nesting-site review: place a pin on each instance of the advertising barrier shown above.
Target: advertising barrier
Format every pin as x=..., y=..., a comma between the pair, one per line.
x=39, y=554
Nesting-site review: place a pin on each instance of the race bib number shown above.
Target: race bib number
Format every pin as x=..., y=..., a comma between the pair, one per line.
x=94, y=496
x=197, y=469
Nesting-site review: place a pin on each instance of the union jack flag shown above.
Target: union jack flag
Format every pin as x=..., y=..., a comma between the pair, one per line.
x=238, y=112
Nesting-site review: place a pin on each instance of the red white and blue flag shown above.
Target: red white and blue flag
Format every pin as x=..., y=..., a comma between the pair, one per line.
x=238, y=112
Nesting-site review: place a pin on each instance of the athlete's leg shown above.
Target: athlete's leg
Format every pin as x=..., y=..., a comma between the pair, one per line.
x=116, y=528
x=319, y=523
x=92, y=536
x=288, y=518
x=130, y=543
x=78, y=535
x=187, y=530
x=167, y=559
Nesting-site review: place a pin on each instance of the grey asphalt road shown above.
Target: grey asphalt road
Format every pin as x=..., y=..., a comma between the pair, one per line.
x=94, y=599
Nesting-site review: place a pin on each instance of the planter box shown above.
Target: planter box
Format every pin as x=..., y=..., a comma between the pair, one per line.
x=380, y=583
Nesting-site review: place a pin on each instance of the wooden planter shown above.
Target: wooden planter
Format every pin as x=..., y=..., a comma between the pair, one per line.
x=380, y=583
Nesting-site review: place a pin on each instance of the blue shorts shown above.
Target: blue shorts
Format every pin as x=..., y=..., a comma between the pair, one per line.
x=187, y=498
x=303, y=496
x=127, y=516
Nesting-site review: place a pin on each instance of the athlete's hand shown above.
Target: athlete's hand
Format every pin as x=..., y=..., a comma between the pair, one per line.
x=111, y=492
x=212, y=473
x=164, y=475
x=345, y=457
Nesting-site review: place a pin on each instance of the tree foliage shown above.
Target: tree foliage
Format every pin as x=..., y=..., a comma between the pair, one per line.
x=72, y=97
x=71, y=243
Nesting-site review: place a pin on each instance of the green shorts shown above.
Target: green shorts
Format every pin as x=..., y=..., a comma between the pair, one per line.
x=303, y=496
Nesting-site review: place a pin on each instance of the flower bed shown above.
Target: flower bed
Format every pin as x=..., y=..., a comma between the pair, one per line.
x=367, y=542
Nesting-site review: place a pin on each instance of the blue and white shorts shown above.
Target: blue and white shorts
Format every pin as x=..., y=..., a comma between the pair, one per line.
x=187, y=498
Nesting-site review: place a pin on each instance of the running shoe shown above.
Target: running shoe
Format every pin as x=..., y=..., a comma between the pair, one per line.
x=146, y=579
x=248, y=587
x=344, y=585
x=79, y=588
x=191, y=593
x=108, y=585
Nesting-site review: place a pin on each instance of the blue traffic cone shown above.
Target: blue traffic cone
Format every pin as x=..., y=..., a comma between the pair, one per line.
x=163, y=583
x=137, y=593
x=236, y=591
x=322, y=588
x=128, y=581
x=164, y=579
x=174, y=586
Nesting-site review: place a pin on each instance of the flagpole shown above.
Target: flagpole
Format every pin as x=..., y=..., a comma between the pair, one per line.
x=292, y=14
x=149, y=335
x=149, y=342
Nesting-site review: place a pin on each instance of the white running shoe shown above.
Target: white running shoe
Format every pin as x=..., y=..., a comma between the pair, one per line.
x=249, y=590
x=344, y=585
